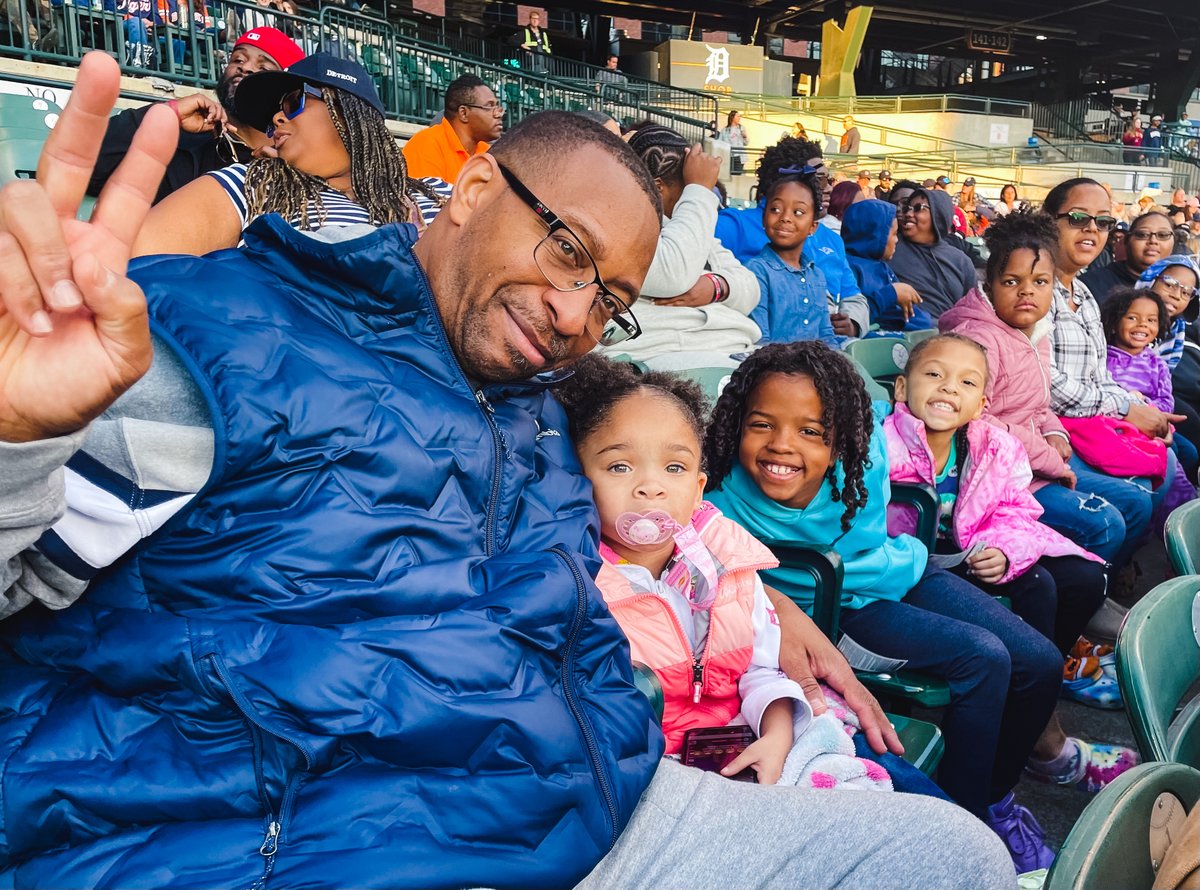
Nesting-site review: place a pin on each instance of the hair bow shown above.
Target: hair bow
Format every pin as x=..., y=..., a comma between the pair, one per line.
x=806, y=170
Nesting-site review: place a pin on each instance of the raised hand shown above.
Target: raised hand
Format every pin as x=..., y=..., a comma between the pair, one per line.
x=74, y=333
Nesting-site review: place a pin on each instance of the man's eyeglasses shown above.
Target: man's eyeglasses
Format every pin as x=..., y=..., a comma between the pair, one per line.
x=566, y=264
x=1077, y=219
x=1146, y=235
x=492, y=108
x=292, y=104
x=1178, y=286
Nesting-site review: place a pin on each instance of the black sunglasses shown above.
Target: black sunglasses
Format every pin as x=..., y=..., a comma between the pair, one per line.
x=1077, y=219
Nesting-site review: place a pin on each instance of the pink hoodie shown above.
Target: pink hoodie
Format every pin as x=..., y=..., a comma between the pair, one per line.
x=1018, y=387
x=994, y=503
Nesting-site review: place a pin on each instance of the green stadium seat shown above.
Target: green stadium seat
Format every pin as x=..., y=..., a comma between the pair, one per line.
x=883, y=358
x=647, y=681
x=915, y=337
x=1109, y=846
x=1182, y=536
x=1158, y=662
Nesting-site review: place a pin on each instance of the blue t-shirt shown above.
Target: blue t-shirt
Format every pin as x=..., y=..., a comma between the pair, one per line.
x=793, y=303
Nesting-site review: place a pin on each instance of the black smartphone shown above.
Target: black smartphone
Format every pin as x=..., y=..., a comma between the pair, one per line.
x=713, y=747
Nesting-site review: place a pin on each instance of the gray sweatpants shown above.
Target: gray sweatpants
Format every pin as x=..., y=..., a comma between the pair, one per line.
x=694, y=830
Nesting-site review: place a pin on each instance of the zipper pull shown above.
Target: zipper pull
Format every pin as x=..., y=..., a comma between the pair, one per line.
x=271, y=842
x=483, y=402
x=697, y=682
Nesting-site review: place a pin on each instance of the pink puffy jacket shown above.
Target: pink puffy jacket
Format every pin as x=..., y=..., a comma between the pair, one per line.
x=1018, y=387
x=994, y=503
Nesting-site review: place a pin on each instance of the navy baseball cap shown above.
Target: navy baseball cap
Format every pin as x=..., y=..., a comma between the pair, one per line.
x=258, y=95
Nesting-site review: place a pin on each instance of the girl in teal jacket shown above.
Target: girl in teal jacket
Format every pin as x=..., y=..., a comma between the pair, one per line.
x=794, y=452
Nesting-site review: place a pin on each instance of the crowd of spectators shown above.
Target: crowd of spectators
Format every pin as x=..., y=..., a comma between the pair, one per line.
x=308, y=527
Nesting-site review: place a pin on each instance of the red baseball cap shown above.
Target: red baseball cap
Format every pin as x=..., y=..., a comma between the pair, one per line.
x=285, y=51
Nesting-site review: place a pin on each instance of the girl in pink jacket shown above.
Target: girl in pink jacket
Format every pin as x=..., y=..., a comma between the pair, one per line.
x=988, y=529
x=1008, y=318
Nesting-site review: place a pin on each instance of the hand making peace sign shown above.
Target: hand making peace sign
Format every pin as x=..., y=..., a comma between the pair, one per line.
x=74, y=333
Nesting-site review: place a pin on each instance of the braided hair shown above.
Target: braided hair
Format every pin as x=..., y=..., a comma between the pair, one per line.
x=1020, y=230
x=787, y=152
x=1117, y=303
x=662, y=150
x=845, y=413
x=599, y=384
x=378, y=173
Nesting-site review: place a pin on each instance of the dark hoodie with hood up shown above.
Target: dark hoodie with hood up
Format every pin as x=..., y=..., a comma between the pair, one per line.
x=940, y=272
x=865, y=229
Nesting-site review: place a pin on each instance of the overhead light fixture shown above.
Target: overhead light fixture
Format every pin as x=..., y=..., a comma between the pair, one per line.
x=1039, y=37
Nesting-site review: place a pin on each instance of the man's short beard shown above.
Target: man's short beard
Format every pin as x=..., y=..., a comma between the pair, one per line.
x=225, y=90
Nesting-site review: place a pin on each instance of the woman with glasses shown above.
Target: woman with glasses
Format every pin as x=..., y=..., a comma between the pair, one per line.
x=335, y=165
x=925, y=257
x=1176, y=280
x=1151, y=237
x=1080, y=383
x=697, y=298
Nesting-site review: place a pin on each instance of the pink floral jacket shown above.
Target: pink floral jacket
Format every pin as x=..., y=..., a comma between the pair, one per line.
x=994, y=504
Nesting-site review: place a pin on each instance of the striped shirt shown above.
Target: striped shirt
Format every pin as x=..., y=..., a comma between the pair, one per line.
x=1080, y=384
x=339, y=210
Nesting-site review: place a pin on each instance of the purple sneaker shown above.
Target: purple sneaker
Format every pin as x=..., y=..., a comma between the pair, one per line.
x=1021, y=833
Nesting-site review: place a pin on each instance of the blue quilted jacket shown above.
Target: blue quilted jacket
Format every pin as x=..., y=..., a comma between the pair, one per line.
x=369, y=654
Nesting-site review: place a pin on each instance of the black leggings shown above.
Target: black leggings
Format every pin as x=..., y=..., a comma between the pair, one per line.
x=1057, y=596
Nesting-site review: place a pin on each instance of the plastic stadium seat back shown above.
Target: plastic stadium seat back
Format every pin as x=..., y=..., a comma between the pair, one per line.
x=1182, y=536
x=883, y=358
x=1109, y=846
x=923, y=742
x=915, y=337
x=1158, y=661
x=647, y=681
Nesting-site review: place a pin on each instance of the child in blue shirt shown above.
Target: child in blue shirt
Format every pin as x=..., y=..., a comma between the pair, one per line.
x=869, y=233
x=792, y=302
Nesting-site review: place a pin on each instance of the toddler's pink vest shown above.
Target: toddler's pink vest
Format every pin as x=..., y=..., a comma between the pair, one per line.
x=658, y=641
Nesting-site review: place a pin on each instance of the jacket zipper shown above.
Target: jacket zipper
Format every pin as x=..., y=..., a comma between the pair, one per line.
x=270, y=842
x=573, y=701
x=699, y=660
x=489, y=525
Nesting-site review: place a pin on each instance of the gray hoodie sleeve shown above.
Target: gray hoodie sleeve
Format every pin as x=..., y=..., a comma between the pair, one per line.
x=72, y=505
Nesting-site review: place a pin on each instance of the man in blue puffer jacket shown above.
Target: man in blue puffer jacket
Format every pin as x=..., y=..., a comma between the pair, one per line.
x=339, y=627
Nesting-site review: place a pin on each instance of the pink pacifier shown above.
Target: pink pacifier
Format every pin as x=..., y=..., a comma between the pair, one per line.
x=649, y=529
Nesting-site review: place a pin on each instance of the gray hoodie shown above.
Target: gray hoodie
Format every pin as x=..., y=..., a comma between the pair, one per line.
x=940, y=272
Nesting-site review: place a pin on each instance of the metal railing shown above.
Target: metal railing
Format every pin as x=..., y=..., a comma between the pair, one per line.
x=843, y=105
x=411, y=75
x=614, y=87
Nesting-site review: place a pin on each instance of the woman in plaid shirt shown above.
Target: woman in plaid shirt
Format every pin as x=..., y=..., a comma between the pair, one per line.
x=1080, y=385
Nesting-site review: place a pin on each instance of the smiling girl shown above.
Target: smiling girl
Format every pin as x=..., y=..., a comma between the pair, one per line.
x=793, y=294
x=794, y=454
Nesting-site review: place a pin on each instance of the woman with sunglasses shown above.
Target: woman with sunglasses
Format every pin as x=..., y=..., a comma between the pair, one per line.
x=1151, y=237
x=925, y=257
x=335, y=165
x=1080, y=384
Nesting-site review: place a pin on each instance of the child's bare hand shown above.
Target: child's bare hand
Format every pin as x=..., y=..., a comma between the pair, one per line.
x=1061, y=445
x=906, y=298
x=842, y=325
x=1068, y=478
x=765, y=756
x=988, y=565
